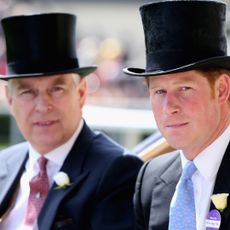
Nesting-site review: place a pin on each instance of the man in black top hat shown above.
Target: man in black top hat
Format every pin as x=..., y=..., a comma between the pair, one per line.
x=188, y=76
x=65, y=176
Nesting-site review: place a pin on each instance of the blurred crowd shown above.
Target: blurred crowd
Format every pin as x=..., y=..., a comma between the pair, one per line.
x=108, y=86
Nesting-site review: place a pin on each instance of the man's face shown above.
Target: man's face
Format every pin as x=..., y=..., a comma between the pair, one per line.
x=187, y=112
x=47, y=109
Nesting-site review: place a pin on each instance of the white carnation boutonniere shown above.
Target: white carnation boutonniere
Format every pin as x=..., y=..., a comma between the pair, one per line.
x=213, y=220
x=62, y=180
x=220, y=201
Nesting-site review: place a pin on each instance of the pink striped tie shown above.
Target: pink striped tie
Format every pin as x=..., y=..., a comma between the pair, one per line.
x=39, y=187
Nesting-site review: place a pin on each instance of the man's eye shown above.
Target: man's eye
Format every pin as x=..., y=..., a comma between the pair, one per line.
x=26, y=94
x=185, y=88
x=160, y=91
x=57, y=91
x=57, y=88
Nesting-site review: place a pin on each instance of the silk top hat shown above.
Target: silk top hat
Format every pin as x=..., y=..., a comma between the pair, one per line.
x=41, y=45
x=183, y=35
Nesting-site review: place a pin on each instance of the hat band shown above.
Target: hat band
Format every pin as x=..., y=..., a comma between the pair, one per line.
x=41, y=66
x=171, y=60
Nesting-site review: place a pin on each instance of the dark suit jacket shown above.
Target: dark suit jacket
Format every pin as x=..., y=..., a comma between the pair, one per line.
x=156, y=185
x=100, y=196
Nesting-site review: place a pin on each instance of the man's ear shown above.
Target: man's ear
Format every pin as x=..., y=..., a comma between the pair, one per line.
x=8, y=94
x=82, y=90
x=223, y=88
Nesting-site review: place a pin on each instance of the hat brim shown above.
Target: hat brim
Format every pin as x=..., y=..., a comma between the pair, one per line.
x=83, y=71
x=215, y=62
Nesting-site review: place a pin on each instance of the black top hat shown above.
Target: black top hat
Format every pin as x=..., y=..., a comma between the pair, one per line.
x=183, y=35
x=41, y=45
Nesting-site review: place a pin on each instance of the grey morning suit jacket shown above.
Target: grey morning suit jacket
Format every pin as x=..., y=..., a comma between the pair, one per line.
x=156, y=185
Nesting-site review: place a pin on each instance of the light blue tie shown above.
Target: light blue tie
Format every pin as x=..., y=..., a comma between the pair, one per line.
x=183, y=214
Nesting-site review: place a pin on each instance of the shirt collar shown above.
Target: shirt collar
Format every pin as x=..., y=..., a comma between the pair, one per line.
x=213, y=154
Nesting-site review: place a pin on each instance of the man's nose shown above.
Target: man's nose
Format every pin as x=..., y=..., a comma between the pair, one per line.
x=43, y=103
x=171, y=104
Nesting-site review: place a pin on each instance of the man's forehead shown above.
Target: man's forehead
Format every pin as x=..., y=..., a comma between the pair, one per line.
x=184, y=74
x=57, y=79
x=187, y=76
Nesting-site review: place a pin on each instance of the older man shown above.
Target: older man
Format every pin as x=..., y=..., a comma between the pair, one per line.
x=65, y=176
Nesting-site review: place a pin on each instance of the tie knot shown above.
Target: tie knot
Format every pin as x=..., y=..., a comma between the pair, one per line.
x=42, y=161
x=188, y=170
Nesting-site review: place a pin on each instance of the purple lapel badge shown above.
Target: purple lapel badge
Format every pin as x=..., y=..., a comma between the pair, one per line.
x=213, y=220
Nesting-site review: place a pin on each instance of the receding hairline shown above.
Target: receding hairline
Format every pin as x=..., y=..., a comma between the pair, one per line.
x=76, y=78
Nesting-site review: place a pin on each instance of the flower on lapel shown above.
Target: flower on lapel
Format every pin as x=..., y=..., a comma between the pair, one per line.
x=220, y=200
x=62, y=180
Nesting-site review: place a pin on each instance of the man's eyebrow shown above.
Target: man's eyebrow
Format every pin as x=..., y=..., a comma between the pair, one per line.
x=58, y=81
x=182, y=81
x=177, y=82
x=20, y=85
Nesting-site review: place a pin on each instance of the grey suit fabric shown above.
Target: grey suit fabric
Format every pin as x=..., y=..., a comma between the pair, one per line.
x=156, y=185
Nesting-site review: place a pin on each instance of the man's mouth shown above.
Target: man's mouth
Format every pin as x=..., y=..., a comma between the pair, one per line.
x=44, y=123
x=176, y=125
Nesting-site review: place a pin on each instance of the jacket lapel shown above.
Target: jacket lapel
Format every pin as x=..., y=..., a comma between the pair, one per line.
x=11, y=171
x=73, y=166
x=222, y=185
x=164, y=189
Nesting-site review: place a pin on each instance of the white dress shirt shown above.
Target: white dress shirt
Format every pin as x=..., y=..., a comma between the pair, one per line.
x=15, y=219
x=207, y=163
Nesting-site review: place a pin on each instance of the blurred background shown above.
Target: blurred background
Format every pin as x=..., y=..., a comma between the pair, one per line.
x=110, y=35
